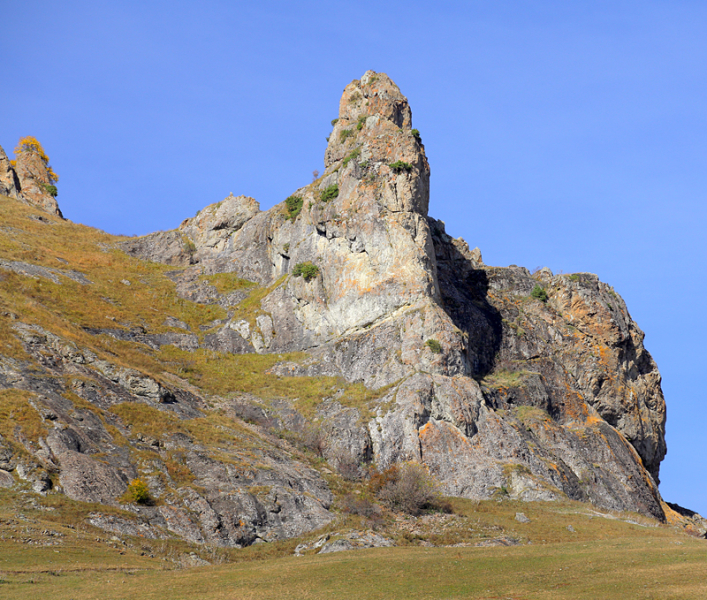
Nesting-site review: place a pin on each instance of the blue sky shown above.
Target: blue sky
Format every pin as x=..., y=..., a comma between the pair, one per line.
x=571, y=135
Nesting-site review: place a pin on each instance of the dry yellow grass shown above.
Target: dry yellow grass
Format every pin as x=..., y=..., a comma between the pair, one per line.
x=606, y=557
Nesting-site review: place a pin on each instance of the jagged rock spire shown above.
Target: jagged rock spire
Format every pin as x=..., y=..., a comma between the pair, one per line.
x=374, y=129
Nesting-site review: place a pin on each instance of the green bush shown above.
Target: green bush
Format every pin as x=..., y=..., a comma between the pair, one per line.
x=344, y=134
x=361, y=122
x=400, y=165
x=51, y=190
x=416, y=134
x=539, y=294
x=294, y=207
x=308, y=270
x=355, y=154
x=334, y=122
x=330, y=193
x=434, y=345
x=138, y=492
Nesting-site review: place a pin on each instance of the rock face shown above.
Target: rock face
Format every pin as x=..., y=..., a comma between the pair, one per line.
x=9, y=184
x=495, y=390
x=502, y=382
x=27, y=181
x=246, y=489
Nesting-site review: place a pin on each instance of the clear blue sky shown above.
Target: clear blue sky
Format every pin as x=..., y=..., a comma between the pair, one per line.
x=564, y=134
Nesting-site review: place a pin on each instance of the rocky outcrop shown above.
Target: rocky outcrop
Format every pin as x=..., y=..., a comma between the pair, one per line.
x=9, y=184
x=502, y=382
x=95, y=418
x=28, y=180
x=34, y=178
x=495, y=390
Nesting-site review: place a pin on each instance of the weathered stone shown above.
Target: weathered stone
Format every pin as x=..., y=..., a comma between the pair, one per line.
x=34, y=179
x=9, y=183
x=6, y=479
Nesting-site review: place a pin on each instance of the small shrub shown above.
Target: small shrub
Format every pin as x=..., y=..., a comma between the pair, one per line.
x=286, y=247
x=138, y=492
x=408, y=488
x=330, y=193
x=51, y=190
x=361, y=122
x=345, y=134
x=308, y=270
x=399, y=166
x=434, y=345
x=294, y=207
x=355, y=154
x=539, y=293
x=355, y=505
x=416, y=134
x=574, y=277
x=334, y=122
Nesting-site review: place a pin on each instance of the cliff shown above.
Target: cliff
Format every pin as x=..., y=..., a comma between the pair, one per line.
x=344, y=319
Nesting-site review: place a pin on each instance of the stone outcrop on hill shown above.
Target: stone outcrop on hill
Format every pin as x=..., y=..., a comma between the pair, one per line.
x=504, y=383
x=27, y=181
x=493, y=389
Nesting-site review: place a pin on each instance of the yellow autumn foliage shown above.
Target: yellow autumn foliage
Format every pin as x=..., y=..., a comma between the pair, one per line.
x=31, y=144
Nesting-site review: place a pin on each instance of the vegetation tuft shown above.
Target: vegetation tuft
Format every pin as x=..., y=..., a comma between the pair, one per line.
x=539, y=293
x=354, y=155
x=399, y=166
x=294, y=206
x=330, y=193
x=306, y=270
x=51, y=190
x=434, y=346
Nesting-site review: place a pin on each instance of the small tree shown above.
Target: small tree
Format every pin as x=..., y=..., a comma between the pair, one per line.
x=138, y=492
x=30, y=144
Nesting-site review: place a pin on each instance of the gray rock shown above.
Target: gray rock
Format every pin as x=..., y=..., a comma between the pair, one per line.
x=6, y=479
x=521, y=518
x=9, y=183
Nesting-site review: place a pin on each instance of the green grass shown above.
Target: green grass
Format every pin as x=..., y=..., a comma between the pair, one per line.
x=228, y=282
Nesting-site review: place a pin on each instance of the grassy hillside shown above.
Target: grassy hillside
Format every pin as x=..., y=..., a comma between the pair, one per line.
x=606, y=556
